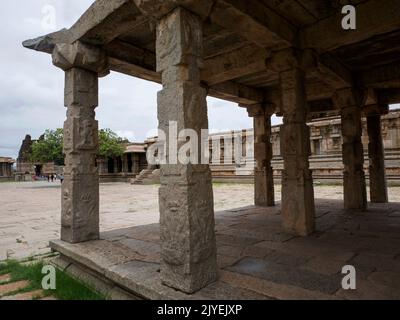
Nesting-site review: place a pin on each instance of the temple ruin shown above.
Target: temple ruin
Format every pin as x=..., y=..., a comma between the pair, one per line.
x=6, y=168
x=290, y=58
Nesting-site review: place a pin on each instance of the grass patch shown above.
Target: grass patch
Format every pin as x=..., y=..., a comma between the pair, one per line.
x=67, y=288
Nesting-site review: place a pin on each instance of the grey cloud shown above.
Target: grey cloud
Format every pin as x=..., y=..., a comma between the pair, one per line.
x=31, y=95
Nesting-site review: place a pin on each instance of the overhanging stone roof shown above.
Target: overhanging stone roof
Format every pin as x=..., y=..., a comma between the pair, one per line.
x=243, y=43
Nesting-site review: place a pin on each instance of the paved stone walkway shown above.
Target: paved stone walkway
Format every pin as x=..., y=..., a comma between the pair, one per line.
x=258, y=260
x=30, y=212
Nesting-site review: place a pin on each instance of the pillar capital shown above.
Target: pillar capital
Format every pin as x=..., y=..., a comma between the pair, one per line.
x=261, y=110
x=375, y=109
x=286, y=60
x=157, y=9
x=79, y=55
x=350, y=97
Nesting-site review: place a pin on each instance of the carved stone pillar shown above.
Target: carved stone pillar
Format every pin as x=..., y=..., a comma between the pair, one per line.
x=263, y=172
x=298, y=209
x=124, y=159
x=376, y=152
x=80, y=189
x=186, y=195
x=350, y=102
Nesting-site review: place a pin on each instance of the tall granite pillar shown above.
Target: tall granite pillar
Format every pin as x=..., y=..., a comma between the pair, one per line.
x=263, y=172
x=186, y=195
x=80, y=189
x=298, y=209
x=376, y=152
x=350, y=102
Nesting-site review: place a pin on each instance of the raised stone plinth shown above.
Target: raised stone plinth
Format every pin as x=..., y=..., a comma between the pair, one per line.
x=256, y=259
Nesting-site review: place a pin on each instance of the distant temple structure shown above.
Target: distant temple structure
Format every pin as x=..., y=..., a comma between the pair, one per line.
x=6, y=168
x=326, y=152
x=325, y=161
x=27, y=169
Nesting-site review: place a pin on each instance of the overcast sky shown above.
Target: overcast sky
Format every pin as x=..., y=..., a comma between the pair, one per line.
x=31, y=88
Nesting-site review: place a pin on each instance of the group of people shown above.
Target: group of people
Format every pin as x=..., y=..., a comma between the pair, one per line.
x=54, y=177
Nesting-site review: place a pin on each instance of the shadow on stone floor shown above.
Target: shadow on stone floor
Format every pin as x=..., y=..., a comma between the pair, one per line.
x=258, y=260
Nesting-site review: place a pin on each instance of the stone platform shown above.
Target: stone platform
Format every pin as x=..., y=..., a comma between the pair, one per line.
x=259, y=261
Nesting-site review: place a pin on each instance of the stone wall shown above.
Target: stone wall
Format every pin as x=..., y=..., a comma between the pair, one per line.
x=6, y=168
x=326, y=149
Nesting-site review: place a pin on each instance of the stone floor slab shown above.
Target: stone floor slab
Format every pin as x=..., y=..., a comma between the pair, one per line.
x=254, y=268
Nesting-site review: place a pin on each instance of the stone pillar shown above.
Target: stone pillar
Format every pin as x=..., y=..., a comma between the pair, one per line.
x=298, y=209
x=2, y=169
x=376, y=152
x=186, y=195
x=125, y=163
x=263, y=173
x=350, y=102
x=80, y=189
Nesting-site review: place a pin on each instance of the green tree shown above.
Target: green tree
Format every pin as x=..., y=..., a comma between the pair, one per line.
x=49, y=148
x=110, y=145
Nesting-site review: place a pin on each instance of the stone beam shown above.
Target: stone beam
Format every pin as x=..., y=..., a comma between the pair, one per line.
x=47, y=43
x=374, y=17
x=325, y=67
x=105, y=20
x=385, y=76
x=244, y=61
x=375, y=109
x=333, y=72
x=318, y=106
x=156, y=9
x=132, y=60
x=258, y=23
x=235, y=92
x=388, y=96
x=141, y=63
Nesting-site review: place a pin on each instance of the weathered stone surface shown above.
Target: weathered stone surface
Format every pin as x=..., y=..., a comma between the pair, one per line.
x=283, y=274
x=298, y=209
x=271, y=288
x=185, y=196
x=80, y=189
x=80, y=55
x=295, y=268
x=350, y=101
x=377, y=174
x=263, y=173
